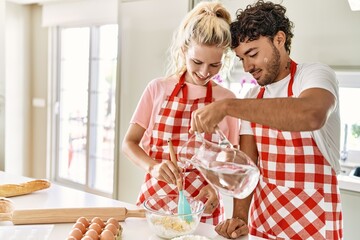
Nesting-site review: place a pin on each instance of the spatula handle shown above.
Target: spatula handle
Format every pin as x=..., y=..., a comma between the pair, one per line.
x=174, y=160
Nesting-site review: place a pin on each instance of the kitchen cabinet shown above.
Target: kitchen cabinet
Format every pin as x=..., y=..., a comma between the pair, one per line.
x=351, y=212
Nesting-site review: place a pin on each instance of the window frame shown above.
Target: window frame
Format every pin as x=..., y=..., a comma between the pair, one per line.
x=54, y=116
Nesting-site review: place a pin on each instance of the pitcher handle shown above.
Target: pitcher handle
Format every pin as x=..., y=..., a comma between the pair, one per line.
x=224, y=142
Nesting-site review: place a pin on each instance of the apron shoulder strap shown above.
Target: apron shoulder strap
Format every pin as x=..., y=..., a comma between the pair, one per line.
x=180, y=86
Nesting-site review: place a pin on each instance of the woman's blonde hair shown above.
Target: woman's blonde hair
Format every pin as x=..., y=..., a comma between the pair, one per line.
x=208, y=23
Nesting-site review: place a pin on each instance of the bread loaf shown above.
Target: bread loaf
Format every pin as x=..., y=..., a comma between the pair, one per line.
x=6, y=206
x=11, y=190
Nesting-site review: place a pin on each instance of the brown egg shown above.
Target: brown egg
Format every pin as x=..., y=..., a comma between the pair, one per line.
x=80, y=226
x=71, y=238
x=92, y=233
x=84, y=221
x=112, y=228
x=87, y=238
x=113, y=221
x=107, y=235
x=96, y=227
x=76, y=233
x=98, y=221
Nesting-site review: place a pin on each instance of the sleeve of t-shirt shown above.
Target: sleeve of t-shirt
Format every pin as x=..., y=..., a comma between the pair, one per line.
x=317, y=75
x=144, y=108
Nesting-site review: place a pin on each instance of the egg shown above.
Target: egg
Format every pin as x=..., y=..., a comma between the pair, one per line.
x=71, y=238
x=88, y=238
x=96, y=227
x=98, y=221
x=113, y=221
x=80, y=226
x=92, y=233
x=107, y=235
x=76, y=233
x=112, y=228
x=84, y=221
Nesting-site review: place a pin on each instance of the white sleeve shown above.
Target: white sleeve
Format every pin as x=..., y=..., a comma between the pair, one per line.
x=245, y=128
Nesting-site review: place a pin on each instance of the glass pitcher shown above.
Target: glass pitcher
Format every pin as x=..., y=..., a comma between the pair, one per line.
x=226, y=168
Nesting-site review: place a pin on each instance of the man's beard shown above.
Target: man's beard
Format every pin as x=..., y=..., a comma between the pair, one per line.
x=272, y=67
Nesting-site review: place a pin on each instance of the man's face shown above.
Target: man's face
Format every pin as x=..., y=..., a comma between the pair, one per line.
x=261, y=59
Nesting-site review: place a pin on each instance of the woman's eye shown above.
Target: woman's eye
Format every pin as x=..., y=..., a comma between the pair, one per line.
x=197, y=62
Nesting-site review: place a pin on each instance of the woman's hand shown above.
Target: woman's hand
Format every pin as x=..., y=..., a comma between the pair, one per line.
x=232, y=228
x=212, y=200
x=165, y=171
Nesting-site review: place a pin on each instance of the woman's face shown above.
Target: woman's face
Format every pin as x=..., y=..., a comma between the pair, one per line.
x=202, y=63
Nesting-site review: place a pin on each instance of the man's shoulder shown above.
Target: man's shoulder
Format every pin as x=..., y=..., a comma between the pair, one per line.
x=314, y=66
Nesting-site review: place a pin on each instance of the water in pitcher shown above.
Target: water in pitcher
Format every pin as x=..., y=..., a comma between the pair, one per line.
x=231, y=179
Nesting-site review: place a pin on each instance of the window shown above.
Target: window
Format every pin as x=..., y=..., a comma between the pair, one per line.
x=85, y=121
x=349, y=91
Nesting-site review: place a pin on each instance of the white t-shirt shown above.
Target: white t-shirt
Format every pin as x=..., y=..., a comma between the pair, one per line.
x=309, y=75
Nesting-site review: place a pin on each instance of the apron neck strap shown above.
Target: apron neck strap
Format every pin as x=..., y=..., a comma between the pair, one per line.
x=181, y=85
x=293, y=66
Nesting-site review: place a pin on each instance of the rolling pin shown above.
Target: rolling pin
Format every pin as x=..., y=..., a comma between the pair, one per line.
x=63, y=215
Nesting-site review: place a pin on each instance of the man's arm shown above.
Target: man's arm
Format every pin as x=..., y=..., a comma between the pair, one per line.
x=308, y=112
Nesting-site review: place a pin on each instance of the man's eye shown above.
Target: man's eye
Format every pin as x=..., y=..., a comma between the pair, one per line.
x=253, y=55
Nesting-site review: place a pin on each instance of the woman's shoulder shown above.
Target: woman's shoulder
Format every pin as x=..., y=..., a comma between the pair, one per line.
x=161, y=83
x=223, y=91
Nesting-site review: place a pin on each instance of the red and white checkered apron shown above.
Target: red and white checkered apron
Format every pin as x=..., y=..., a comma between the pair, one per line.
x=173, y=121
x=297, y=196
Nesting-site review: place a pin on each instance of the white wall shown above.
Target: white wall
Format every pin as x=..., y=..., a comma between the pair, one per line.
x=325, y=30
x=17, y=89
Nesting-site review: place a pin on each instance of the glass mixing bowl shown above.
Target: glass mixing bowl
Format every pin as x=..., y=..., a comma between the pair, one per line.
x=165, y=222
x=226, y=168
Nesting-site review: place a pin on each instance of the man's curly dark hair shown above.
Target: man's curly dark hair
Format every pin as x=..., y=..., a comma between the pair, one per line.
x=261, y=19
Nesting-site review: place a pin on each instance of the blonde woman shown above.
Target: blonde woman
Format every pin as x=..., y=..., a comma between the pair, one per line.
x=198, y=52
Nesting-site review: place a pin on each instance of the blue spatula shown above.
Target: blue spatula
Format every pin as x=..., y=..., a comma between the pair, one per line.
x=183, y=204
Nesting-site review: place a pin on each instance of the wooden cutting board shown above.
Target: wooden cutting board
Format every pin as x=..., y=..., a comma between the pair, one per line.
x=63, y=215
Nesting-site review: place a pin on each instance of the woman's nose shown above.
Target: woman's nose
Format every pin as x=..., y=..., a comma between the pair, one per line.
x=204, y=71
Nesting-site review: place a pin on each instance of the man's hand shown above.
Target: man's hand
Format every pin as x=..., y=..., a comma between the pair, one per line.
x=207, y=118
x=232, y=228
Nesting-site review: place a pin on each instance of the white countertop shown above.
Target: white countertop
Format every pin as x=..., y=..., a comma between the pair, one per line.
x=62, y=197
x=350, y=183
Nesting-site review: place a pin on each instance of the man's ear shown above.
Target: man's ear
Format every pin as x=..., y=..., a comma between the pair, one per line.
x=280, y=38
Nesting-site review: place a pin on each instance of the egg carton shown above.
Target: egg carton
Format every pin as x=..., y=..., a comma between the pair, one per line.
x=95, y=229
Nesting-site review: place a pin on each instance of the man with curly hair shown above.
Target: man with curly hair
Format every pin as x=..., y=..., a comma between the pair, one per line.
x=290, y=126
